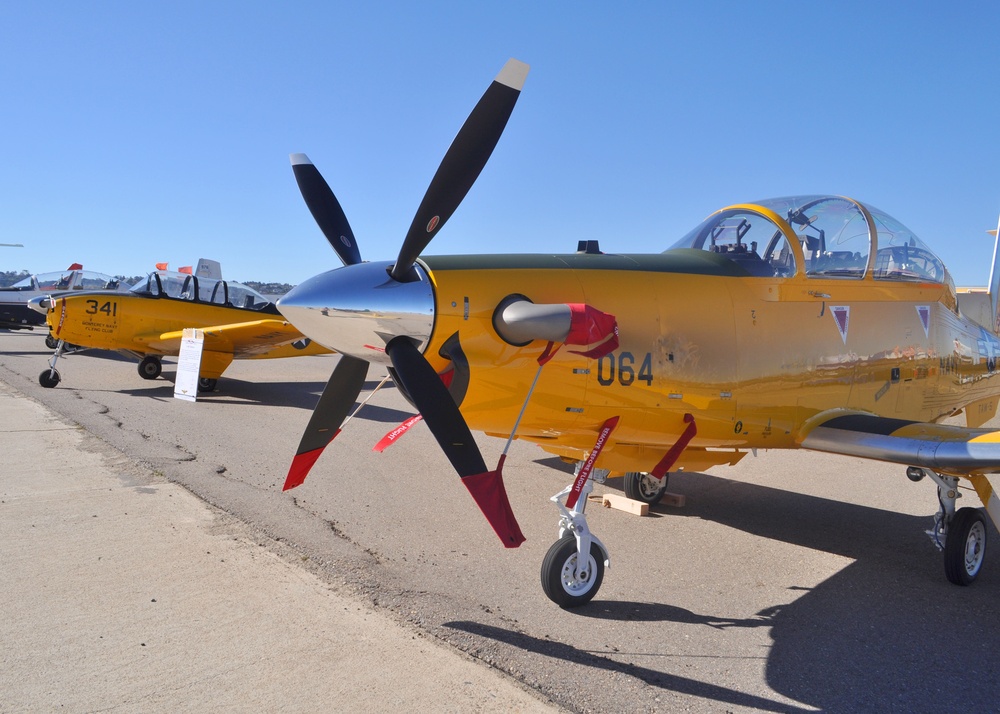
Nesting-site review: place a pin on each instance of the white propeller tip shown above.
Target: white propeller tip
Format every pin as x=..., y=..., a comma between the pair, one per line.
x=299, y=159
x=513, y=74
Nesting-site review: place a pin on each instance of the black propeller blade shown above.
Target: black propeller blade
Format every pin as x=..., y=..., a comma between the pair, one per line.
x=435, y=404
x=338, y=397
x=462, y=164
x=448, y=426
x=325, y=208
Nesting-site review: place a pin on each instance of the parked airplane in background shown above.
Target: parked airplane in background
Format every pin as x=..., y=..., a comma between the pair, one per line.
x=15, y=314
x=814, y=322
x=148, y=323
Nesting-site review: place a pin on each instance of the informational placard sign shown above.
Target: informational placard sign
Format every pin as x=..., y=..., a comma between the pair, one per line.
x=189, y=365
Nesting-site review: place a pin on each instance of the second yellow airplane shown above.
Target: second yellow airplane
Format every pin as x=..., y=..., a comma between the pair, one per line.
x=148, y=323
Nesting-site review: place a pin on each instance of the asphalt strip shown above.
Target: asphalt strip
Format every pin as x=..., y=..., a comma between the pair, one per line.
x=121, y=591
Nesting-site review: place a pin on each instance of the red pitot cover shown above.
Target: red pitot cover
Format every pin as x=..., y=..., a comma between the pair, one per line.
x=590, y=326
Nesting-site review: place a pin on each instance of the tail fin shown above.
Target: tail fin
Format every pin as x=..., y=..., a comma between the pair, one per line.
x=208, y=269
x=994, y=288
x=982, y=305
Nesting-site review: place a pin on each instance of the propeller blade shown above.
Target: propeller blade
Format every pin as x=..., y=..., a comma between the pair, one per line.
x=326, y=209
x=448, y=426
x=433, y=401
x=462, y=163
x=338, y=397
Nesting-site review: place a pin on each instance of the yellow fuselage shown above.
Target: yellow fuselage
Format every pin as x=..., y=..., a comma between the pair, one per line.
x=752, y=359
x=146, y=325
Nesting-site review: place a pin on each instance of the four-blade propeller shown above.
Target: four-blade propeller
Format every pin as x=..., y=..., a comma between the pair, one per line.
x=361, y=287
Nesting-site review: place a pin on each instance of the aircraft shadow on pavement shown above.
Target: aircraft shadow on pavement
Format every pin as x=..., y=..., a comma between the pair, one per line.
x=652, y=677
x=878, y=634
x=298, y=395
x=301, y=395
x=889, y=622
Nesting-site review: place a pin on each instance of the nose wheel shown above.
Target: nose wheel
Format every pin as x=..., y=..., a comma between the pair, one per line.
x=50, y=377
x=565, y=580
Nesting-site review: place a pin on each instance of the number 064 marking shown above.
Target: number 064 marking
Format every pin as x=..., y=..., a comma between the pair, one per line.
x=620, y=367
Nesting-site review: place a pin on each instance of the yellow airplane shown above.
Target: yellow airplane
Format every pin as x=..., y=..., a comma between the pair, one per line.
x=148, y=323
x=815, y=322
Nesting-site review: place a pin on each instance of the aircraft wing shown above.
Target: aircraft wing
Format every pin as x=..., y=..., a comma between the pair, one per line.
x=257, y=338
x=944, y=448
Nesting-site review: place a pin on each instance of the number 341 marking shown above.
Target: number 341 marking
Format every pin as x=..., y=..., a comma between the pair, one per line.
x=109, y=308
x=621, y=368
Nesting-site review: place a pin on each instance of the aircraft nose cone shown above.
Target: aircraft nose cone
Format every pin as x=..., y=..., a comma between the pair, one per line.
x=357, y=309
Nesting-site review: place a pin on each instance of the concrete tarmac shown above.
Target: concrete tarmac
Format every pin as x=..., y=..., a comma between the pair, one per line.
x=793, y=582
x=121, y=591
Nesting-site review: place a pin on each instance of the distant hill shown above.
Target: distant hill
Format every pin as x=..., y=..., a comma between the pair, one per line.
x=268, y=288
x=9, y=277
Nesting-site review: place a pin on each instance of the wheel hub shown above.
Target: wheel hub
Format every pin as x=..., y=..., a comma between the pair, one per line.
x=974, y=549
x=577, y=584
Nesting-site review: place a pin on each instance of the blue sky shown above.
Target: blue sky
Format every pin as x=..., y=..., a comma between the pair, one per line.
x=134, y=133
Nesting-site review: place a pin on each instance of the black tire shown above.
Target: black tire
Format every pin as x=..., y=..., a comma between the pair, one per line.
x=49, y=378
x=150, y=367
x=965, y=546
x=645, y=488
x=558, y=581
x=51, y=342
x=207, y=385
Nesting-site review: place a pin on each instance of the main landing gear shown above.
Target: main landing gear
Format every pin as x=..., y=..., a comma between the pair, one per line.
x=645, y=487
x=150, y=367
x=960, y=534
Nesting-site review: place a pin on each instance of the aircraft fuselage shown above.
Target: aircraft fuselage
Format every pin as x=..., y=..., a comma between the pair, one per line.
x=752, y=359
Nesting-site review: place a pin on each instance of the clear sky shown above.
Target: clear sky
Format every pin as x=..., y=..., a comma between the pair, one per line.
x=138, y=132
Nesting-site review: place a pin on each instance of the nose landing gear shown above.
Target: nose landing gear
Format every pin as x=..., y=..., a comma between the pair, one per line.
x=573, y=568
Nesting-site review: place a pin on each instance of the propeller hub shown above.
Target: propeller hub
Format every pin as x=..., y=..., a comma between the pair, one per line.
x=41, y=304
x=358, y=309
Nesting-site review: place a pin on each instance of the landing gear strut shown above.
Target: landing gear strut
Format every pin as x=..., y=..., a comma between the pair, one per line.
x=573, y=569
x=50, y=377
x=960, y=535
